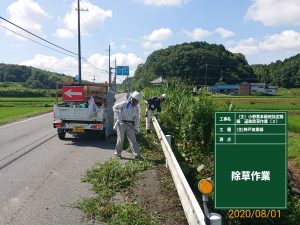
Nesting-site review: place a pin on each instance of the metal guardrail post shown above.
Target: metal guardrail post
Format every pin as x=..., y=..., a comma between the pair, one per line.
x=193, y=211
x=168, y=137
x=215, y=219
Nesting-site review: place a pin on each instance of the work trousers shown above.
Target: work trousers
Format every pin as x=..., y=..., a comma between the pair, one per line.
x=149, y=114
x=122, y=129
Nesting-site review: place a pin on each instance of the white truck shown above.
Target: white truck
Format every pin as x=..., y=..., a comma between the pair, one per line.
x=86, y=108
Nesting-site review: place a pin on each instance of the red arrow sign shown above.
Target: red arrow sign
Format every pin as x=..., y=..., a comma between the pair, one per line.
x=72, y=93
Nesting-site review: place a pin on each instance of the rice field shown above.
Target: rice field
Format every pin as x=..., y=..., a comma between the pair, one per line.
x=284, y=104
x=293, y=145
x=12, y=109
x=294, y=123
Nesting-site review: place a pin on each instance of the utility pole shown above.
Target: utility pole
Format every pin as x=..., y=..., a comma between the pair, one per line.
x=109, y=69
x=79, y=43
x=115, y=74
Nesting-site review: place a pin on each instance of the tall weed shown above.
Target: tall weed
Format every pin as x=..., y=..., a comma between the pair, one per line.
x=190, y=121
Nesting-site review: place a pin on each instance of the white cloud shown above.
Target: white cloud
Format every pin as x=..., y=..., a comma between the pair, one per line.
x=224, y=33
x=274, y=12
x=69, y=65
x=198, y=34
x=247, y=47
x=153, y=40
x=288, y=40
x=27, y=14
x=63, y=33
x=158, y=35
x=272, y=47
x=151, y=45
x=94, y=17
x=159, y=3
x=123, y=46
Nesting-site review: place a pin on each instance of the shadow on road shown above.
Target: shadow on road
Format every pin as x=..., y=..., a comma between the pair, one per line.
x=86, y=141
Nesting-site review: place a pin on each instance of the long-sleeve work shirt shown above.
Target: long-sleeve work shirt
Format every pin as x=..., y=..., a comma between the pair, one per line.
x=126, y=111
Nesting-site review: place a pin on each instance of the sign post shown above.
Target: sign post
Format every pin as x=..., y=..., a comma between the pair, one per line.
x=123, y=71
x=251, y=160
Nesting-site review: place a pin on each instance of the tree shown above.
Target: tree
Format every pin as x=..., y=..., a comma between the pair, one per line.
x=196, y=63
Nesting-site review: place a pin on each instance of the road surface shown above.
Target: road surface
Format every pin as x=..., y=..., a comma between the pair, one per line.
x=40, y=174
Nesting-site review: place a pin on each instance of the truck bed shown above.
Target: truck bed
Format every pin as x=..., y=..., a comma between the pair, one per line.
x=75, y=113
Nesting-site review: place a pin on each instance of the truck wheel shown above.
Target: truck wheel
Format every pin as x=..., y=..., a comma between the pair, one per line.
x=61, y=133
x=103, y=134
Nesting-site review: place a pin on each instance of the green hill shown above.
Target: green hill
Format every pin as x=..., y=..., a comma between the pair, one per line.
x=281, y=73
x=203, y=63
x=24, y=81
x=197, y=63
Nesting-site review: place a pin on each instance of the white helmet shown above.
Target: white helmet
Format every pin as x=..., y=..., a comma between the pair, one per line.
x=136, y=95
x=164, y=96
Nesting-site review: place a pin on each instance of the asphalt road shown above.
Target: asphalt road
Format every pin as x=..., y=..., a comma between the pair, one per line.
x=40, y=174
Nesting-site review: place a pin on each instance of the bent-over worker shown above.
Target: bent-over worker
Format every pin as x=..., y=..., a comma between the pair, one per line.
x=152, y=104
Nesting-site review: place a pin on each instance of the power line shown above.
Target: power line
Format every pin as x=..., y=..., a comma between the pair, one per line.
x=74, y=55
x=95, y=67
x=36, y=41
x=37, y=36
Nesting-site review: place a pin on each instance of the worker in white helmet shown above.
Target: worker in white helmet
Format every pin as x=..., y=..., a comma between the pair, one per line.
x=128, y=122
x=153, y=104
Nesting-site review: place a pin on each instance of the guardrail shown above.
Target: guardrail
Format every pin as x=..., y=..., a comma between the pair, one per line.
x=189, y=203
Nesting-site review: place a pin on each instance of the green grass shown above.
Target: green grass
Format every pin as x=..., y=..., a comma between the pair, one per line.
x=107, y=179
x=27, y=102
x=294, y=123
x=281, y=93
x=29, y=99
x=266, y=106
x=116, y=214
x=17, y=108
x=111, y=177
x=292, y=92
x=294, y=147
x=262, y=103
x=9, y=114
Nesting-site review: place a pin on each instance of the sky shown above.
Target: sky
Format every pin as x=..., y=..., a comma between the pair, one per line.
x=263, y=30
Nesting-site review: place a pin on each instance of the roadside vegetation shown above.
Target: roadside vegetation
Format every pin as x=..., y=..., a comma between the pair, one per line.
x=108, y=179
x=190, y=121
x=113, y=179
